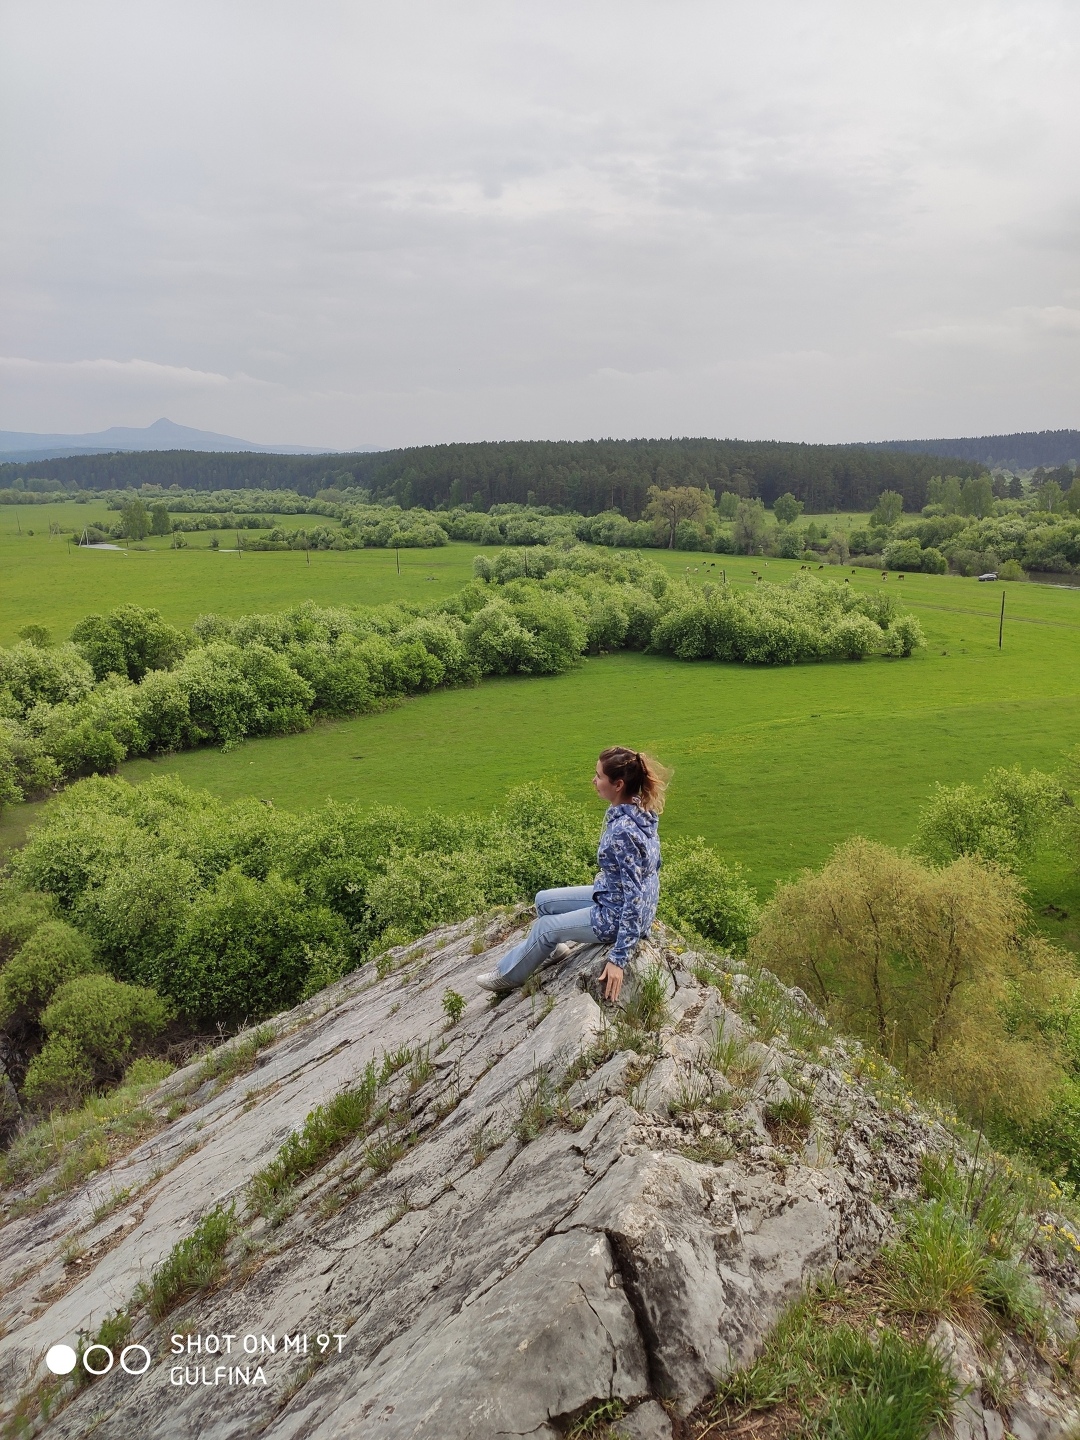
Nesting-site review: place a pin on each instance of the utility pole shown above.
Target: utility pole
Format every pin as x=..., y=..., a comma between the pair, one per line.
x=1001, y=622
x=397, y=558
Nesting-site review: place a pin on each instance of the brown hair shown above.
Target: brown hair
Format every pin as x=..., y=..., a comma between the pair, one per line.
x=645, y=778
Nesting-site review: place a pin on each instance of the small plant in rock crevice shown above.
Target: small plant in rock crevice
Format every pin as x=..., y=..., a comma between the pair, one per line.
x=596, y=1423
x=647, y=1003
x=453, y=1006
x=538, y=1105
x=790, y=1119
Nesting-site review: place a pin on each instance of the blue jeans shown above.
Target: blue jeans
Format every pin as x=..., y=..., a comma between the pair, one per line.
x=560, y=915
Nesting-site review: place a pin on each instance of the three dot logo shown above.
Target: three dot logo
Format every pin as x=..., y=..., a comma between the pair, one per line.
x=98, y=1359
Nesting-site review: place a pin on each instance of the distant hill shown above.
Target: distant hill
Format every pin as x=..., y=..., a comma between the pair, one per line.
x=1022, y=451
x=583, y=475
x=161, y=435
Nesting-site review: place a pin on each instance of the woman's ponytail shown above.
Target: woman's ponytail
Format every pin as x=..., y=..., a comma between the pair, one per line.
x=645, y=779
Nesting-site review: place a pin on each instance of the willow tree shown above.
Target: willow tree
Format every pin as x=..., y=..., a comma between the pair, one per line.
x=933, y=967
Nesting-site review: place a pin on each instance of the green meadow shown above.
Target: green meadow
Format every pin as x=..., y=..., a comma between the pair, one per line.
x=773, y=766
x=45, y=580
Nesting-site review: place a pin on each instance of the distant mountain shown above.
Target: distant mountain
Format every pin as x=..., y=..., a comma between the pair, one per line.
x=161, y=435
x=1022, y=451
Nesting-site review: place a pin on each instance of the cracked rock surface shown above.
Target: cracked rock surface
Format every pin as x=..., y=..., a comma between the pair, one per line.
x=555, y=1225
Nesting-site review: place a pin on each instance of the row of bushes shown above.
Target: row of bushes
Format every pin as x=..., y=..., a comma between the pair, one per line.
x=1032, y=539
x=130, y=684
x=132, y=908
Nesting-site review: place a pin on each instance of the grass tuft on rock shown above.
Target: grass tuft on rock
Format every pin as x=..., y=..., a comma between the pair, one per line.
x=323, y=1133
x=193, y=1265
x=842, y=1383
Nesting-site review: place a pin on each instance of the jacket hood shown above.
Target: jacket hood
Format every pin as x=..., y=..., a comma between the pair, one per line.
x=645, y=820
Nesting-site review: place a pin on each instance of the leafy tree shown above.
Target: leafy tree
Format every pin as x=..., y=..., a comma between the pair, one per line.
x=945, y=490
x=1016, y=488
x=36, y=635
x=926, y=964
x=1001, y=820
x=678, y=502
x=1050, y=497
x=902, y=555
x=787, y=509
x=129, y=641
x=749, y=529
x=134, y=519
x=977, y=496
x=888, y=509
x=727, y=504
x=160, y=523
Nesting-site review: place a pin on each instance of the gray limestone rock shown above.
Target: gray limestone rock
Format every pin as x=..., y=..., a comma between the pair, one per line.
x=530, y=1249
x=647, y=1422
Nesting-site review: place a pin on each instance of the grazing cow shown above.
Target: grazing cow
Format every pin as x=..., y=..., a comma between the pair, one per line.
x=884, y=574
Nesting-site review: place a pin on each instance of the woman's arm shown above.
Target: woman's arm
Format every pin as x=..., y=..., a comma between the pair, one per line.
x=633, y=864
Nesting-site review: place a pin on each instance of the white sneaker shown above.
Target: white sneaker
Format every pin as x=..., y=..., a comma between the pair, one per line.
x=493, y=981
x=561, y=951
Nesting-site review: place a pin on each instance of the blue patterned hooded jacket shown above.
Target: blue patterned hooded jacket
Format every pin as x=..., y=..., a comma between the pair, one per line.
x=627, y=889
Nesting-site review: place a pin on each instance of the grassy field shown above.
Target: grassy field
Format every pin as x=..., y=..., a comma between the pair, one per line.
x=773, y=766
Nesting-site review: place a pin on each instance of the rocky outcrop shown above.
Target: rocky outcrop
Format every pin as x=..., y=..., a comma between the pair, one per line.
x=541, y=1217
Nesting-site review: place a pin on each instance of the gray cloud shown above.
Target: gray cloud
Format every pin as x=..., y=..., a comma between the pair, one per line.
x=358, y=224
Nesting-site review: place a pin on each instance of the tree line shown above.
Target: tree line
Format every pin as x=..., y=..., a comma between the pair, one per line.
x=589, y=476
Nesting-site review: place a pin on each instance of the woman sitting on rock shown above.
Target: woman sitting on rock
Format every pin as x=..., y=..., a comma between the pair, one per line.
x=620, y=905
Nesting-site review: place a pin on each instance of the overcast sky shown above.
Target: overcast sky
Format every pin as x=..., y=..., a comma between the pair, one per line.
x=384, y=224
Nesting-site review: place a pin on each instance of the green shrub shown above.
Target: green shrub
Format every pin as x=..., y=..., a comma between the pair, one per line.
x=928, y=965
x=30, y=676
x=1002, y=820
x=246, y=947
x=129, y=641
x=902, y=555
x=94, y=1024
x=703, y=894
x=25, y=765
x=147, y=1070
x=59, y=1074
x=21, y=912
x=54, y=953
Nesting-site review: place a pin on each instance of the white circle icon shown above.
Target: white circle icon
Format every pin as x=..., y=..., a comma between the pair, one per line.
x=61, y=1359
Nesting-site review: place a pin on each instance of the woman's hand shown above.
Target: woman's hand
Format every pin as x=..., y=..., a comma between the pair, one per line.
x=611, y=978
